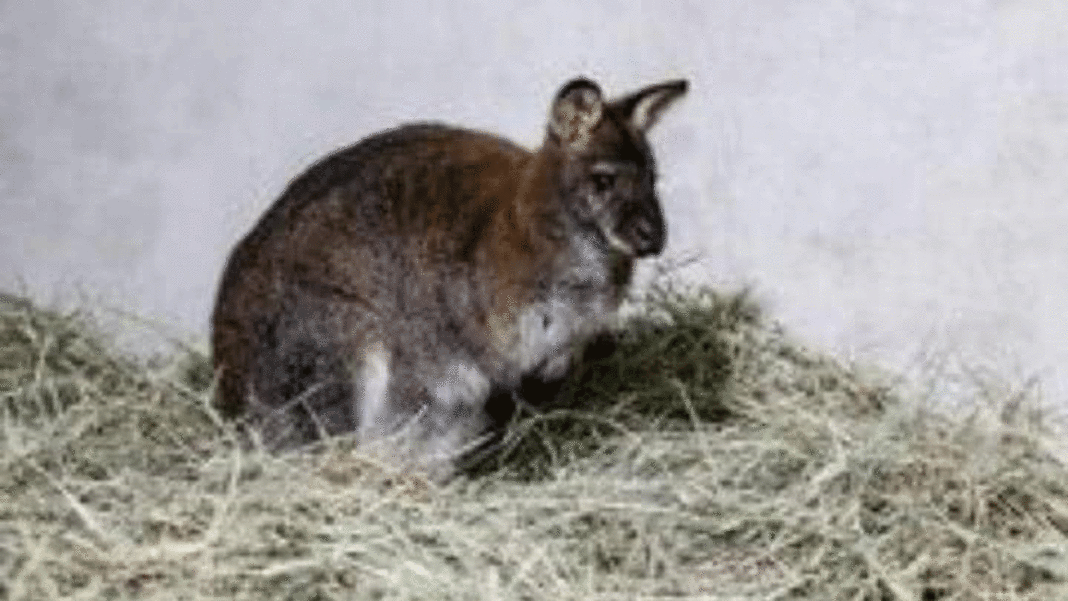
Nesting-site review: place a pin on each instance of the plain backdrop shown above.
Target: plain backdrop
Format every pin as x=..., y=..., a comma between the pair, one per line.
x=888, y=175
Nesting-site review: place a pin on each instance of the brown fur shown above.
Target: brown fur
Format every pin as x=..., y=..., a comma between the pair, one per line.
x=435, y=266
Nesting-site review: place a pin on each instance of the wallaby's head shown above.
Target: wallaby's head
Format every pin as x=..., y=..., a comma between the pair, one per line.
x=607, y=175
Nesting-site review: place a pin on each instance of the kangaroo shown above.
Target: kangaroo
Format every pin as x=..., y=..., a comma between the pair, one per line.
x=400, y=283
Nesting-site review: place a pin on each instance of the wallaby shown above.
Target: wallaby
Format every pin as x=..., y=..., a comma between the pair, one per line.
x=399, y=283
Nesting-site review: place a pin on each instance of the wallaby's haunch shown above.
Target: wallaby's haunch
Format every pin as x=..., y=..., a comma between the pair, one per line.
x=399, y=283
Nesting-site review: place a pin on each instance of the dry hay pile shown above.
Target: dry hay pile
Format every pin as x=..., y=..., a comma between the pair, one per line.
x=706, y=457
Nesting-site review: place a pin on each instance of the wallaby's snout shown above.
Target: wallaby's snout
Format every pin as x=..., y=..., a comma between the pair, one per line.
x=647, y=232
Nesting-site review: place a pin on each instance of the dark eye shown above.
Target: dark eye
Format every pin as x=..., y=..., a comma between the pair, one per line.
x=603, y=181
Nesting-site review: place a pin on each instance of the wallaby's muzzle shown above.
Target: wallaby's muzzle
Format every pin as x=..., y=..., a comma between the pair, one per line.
x=649, y=237
x=645, y=232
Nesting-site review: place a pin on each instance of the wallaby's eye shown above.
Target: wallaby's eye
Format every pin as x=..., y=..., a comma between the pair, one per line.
x=603, y=181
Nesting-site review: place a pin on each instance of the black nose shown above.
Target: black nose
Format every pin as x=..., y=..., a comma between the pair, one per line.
x=648, y=236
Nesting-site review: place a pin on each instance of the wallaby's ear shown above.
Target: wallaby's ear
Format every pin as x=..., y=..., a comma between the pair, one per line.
x=644, y=107
x=576, y=111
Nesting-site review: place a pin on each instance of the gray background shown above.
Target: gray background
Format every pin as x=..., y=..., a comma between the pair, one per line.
x=887, y=174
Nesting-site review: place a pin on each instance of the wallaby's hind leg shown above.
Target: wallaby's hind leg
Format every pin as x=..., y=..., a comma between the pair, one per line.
x=311, y=415
x=420, y=416
x=299, y=391
x=457, y=423
x=372, y=381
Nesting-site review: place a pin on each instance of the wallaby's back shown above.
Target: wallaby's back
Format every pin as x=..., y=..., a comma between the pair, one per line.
x=411, y=197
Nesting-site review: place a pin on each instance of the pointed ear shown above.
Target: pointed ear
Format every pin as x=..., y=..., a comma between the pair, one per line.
x=576, y=111
x=644, y=107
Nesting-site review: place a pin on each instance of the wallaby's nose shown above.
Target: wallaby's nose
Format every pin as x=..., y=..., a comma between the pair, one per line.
x=649, y=236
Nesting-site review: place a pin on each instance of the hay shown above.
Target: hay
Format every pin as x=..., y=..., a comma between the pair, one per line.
x=701, y=454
